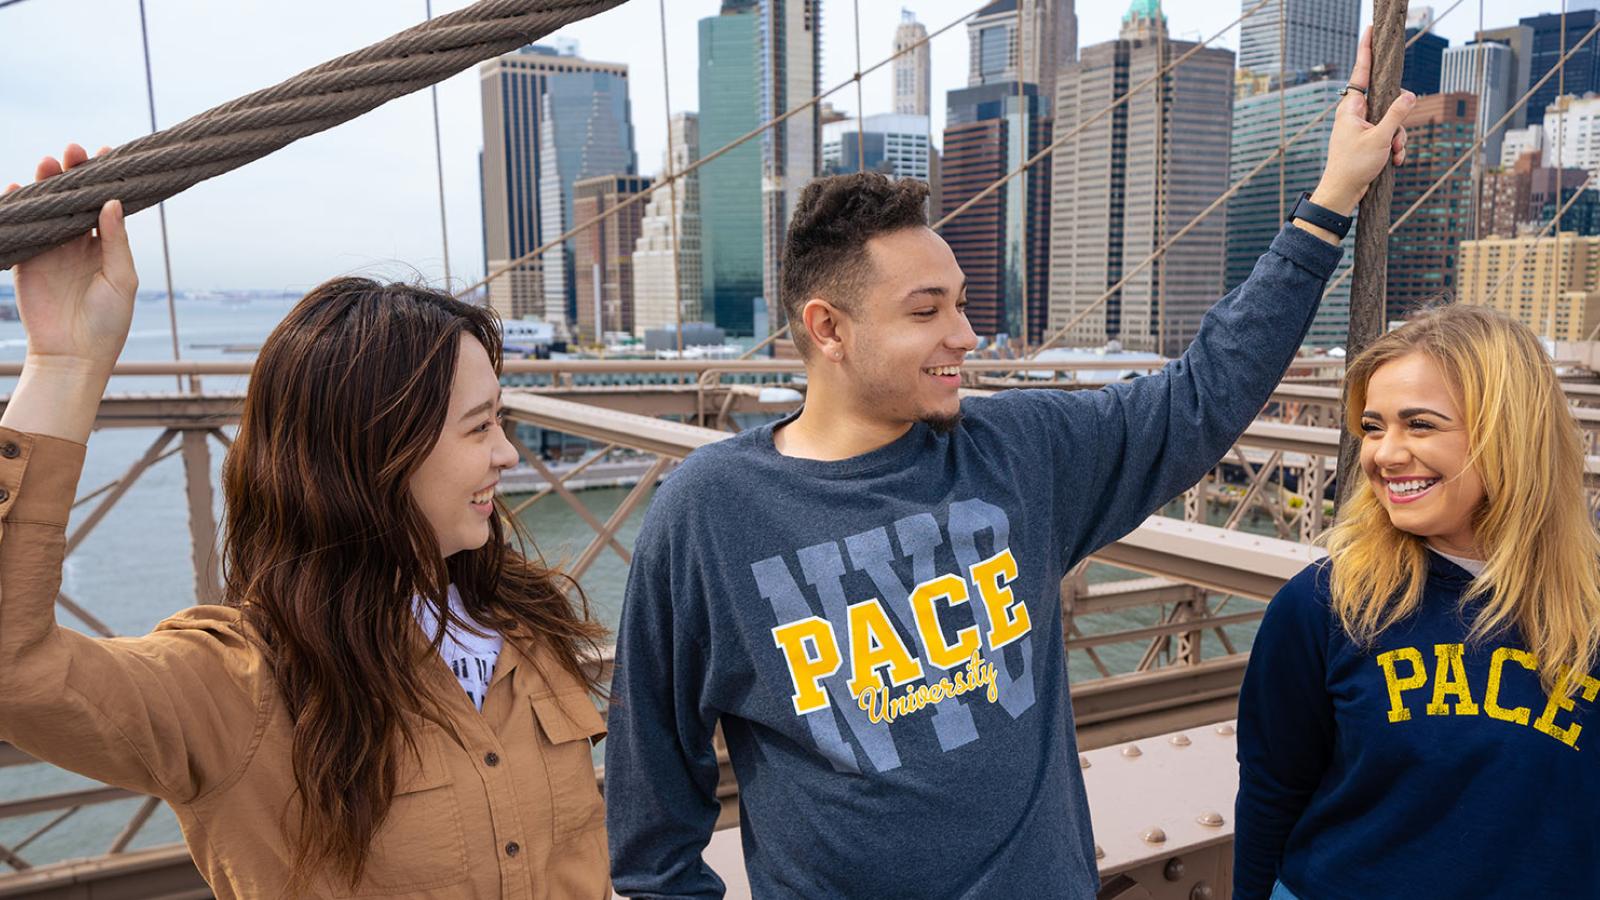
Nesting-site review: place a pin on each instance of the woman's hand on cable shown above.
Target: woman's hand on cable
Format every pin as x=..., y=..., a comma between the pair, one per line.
x=1358, y=149
x=76, y=303
x=76, y=300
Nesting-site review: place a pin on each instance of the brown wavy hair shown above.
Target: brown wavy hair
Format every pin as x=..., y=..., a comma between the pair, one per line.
x=325, y=548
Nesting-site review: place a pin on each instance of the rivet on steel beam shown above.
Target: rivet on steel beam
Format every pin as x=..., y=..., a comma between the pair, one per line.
x=1202, y=891
x=1154, y=836
x=1224, y=730
x=1180, y=740
x=1099, y=852
x=1173, y=871
x=1132, y=750
x=1083, y=761
x=1210, y=819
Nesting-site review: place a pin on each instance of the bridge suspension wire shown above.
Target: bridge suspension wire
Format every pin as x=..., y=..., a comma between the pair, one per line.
x=672, y=187
x=1026, y=121
x=438, y=159
x=1467, y=156
x=1522, y=256
x=861, y=106
x=709, y=157
x=1277, y=153
x=1481, y=82
x=1109, y=108
x=1043, y=153
x=145, y=171
x=161, y=208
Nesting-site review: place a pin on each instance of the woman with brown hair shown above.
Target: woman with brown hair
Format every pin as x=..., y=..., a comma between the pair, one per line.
x=390, y=700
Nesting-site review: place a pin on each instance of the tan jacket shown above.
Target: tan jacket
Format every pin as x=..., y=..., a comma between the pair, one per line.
x=500, y=804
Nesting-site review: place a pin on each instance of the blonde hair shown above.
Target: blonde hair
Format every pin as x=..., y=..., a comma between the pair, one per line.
x=1542, y=571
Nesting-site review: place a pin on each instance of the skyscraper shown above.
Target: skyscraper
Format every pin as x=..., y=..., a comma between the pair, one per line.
x=913, y=77
x=1548, y=46
x=1519, y=39
x=990, y=132
x=1050, y=41
x=1316, y=33
x=603, y=254
x=548, y=120
x=1424, y=62
x=730, y=186
x=1485, y=69
x=791, y=153
x=1049, y=31
x=1553, y=286
x=1256, y=213
x=666, y=259
x=992, y=44
x=1571, y=133
x=896, y=145
x=1126, y=184
x=1423, y=250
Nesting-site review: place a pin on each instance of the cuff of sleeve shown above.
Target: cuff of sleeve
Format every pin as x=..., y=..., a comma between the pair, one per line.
x=38, y=477
x=1307, y=251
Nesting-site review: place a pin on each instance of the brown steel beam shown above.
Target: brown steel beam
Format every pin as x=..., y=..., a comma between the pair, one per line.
x=202, y=517
x=27, y=806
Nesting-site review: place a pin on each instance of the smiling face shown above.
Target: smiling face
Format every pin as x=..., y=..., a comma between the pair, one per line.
x=454, y=487
x=904, y=339
x=1415, y=452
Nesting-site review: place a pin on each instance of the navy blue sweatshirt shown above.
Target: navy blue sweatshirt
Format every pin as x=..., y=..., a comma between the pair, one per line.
x=880, y=637
x=1424, y=766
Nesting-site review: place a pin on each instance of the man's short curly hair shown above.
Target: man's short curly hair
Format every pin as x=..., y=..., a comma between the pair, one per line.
x=826, y=253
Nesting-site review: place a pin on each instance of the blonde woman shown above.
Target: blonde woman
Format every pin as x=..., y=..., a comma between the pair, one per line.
x=1418, y=717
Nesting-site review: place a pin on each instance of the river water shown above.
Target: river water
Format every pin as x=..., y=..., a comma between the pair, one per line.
x=134, y=569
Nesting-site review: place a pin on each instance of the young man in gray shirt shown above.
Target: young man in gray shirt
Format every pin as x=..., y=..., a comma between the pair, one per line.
x=865, y=594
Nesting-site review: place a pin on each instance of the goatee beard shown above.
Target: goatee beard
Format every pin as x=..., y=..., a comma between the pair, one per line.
x=942, y=424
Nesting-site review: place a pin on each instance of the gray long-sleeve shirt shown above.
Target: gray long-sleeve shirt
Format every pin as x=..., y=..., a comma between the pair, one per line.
x=880, y=637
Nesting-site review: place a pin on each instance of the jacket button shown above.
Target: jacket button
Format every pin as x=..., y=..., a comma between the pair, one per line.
x=513, y=848
x=4, y=495
x=9, y=450
x=491, y=759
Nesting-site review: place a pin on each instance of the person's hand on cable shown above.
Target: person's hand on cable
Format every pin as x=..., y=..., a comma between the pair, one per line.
x=76, y=303
x=1358, y=150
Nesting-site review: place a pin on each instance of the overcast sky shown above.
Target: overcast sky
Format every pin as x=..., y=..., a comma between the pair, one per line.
x=364, y=196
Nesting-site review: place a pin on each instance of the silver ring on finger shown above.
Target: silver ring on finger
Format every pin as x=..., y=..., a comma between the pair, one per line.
x=1350, y=87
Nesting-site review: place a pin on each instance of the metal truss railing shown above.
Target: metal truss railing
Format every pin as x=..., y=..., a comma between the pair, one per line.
x=1200, y=576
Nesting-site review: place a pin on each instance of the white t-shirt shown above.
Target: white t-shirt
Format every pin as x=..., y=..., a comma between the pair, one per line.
x=470, y=657
x=1474, y=567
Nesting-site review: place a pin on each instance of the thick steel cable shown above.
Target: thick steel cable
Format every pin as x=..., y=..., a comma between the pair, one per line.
x=1109, y=108
x=708, y=158
x=1500, y=123
x=1281, y=149
x=438, y=160
x=150, y=169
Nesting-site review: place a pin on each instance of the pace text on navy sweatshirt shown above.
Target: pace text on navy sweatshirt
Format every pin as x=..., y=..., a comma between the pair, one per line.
x=880, y=637
x=1424, y=766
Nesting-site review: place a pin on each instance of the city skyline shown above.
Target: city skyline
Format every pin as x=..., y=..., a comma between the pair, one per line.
x=363, y=197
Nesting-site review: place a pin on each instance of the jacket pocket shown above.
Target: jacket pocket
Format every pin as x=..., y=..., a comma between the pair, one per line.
x=420, y=845
x=569, y=726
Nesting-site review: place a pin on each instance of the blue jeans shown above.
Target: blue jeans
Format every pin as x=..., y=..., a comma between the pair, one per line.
x=1279, y=892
